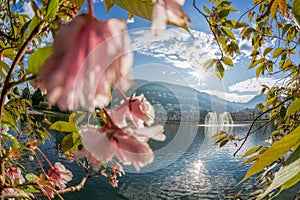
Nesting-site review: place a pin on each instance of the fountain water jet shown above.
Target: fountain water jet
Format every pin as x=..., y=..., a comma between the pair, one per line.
x=215, y=122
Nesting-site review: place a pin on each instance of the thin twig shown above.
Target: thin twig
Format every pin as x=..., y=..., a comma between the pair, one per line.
x=210, y=27
x=22, y=80
x=247, y=12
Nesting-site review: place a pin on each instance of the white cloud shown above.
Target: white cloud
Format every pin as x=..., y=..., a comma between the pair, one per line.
x=176, y=46
x=253, y=85
x=130, y=21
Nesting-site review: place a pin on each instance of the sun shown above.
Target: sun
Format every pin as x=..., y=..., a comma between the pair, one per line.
x=196, y=77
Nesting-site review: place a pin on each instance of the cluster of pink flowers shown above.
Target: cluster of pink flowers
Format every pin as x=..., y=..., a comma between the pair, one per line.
x=14, y=173
x=59, y=176
x=83, y=79
x=89, y=58
x=117, y=138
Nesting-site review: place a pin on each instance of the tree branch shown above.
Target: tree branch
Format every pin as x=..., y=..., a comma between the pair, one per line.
x=6, y=87
x=7, y=84
x=253, y=122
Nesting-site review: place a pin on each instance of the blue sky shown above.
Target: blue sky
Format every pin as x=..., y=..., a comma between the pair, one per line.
x=176, y=56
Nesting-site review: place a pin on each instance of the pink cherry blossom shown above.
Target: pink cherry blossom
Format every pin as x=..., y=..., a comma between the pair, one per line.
x=89, y=58
x=137, y=109
x=14, y=173
x=59, y=175
x=165, y=11
x=103, y=143
x=37, y=83
x=95, y=163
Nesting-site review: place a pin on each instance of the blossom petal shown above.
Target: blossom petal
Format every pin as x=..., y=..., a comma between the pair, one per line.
x=89, y=58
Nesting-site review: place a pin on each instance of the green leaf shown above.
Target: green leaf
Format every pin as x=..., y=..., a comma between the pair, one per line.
x=278, y=51
x=141, y=8
x=108, y=5
x=251, y=159
x=296, y=7
x=228, y=33
x=276, y=151
x=256, y=62
x=287, y=174
x=274, y=8
x=268, y=50
x=294, y=107
x=37, y=59
x=224, y=13
x=9, y=53
x=224, y=142
x=269, y=102
x=71, y=142
x=294, y=156
x=227, y=61
x=259, y=69
x=33, y=24
x=290, y=182
x=31, y=177
x=206, y=9
x=286, y=28
x=208, y=64
x=52, y=8
x=62, y=126
x=8, y=118
x=5, y=66
x=253, y=150
x=16, y=144
x=31, y=189
x=220, y=71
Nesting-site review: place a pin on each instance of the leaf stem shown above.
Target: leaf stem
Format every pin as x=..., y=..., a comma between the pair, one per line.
x=91, y=9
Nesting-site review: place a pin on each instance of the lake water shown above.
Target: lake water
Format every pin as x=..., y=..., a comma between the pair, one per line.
x=186, y=166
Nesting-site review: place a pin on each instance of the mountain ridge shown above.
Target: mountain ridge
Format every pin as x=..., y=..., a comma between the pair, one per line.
x=168, y=94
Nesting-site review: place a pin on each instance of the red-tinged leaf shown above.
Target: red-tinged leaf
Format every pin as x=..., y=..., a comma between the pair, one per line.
x=230, y=197
x=282, y=6
x=15, y=154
